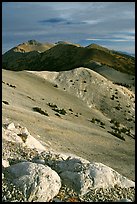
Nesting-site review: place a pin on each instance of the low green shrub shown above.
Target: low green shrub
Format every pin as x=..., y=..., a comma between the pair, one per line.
x=5, y=102
x=39, y=110
x=117, y=135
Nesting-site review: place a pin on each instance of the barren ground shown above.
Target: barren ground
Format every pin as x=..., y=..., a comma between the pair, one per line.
x=73, y=132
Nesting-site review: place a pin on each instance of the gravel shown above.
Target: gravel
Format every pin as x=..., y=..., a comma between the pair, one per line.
x=67, y=194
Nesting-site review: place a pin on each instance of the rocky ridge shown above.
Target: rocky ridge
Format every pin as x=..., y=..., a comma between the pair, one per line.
x=33, y=171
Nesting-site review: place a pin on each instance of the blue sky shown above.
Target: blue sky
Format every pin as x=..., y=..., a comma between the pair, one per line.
x=110, y=24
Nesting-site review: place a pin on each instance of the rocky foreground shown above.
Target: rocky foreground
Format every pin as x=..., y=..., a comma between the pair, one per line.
x=33, y=172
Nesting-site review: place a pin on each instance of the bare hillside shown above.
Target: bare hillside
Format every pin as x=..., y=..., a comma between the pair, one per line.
x=97, y=92
x=74, y=112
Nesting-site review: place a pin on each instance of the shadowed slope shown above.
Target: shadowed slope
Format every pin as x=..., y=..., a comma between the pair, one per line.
x=64, y=56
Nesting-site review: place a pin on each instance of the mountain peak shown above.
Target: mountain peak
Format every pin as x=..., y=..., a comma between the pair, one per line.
x=94, y=45
x=33, y=42
x=67, y=43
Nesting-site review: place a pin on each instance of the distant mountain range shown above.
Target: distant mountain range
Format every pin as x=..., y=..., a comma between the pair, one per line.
x=61, y=56
x=127, y=53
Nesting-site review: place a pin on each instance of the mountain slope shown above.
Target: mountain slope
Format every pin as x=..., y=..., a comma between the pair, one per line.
x=96, y=91
x=71, y=124
x=64, y=56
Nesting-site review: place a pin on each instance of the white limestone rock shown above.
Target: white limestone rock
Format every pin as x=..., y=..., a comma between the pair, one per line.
x=5, y=163
x=11, y=136
x=39, y=183
x=33, y=143
x=83, y=175
x=19, y=134
x=11, y=126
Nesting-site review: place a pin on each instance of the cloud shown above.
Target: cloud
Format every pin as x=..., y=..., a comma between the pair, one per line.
x=92, y=22
x=117, y=38
x=112, y=22
x=52, y=20
x=61, y=20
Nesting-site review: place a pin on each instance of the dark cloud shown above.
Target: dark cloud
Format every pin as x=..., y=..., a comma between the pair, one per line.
x=52, y=20
x=60, y=20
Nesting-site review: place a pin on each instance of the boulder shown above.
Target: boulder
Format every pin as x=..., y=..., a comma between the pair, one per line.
x=83, y=175
x=33, y=143
x=20, y=134
x=38, y=183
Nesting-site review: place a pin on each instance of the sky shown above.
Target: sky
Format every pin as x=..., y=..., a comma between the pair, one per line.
x=109, y=24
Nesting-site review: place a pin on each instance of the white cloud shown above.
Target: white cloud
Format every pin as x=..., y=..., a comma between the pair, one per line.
x=92, y=22
x=112, y=40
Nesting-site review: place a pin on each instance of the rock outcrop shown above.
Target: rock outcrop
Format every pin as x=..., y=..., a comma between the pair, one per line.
x=83, y=175
x=41, y=174
x=38, y=182
x=21, y=135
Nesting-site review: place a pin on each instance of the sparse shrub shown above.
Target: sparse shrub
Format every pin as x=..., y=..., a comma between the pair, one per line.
x=85, y=90
x=70, y=110
x=101, y=123
x=116, y=123
x=84, y=81
x=93, y=120
x=5, y=102
x=124, y=130
x=39, y=110
x=102, y=126
x=57, y=114
x=112, y=120
x=56, y=86
x=112, y=97
x=97, y=120
x=10, y=85
x=61, y=111
x=55, y=108
x=117, y=135
x=117, y=107
x=115, y=128
x=52, y=105
x=129, y=119
x=30, y=98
